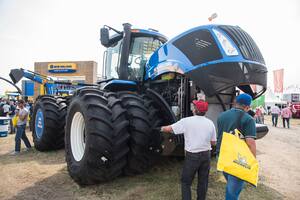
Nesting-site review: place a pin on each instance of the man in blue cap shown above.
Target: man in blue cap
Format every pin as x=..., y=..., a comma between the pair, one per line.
x=228, y=121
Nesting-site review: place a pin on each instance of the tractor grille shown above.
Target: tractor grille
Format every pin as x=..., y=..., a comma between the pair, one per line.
x=245, y=43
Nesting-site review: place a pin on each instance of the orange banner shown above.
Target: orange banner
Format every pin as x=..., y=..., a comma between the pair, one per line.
x=278, y=80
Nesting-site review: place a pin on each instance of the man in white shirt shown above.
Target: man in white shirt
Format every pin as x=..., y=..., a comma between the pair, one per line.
x=275, y=111
x=199, y=134
x=6, y=108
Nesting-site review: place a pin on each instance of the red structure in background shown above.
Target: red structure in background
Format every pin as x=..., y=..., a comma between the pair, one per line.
x=293, y=100
x=278, y=80
x=295, y=107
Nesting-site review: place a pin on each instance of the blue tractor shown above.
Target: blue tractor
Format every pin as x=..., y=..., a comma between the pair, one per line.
x=49, y=110
x=148, y=82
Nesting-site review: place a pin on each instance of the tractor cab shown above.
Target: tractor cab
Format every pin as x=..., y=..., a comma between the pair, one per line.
x=126, y=55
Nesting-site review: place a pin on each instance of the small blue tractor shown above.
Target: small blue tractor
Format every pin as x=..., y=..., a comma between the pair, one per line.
x=48, y=119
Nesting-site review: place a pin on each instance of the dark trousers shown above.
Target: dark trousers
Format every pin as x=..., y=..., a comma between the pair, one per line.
x=287, y=122
x=274, y=119
x=195, y=163
x=21, y=135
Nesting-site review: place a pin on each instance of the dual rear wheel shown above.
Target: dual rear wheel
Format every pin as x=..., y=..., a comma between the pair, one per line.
x=108, y=134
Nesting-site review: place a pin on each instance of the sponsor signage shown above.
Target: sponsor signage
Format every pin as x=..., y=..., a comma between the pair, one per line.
x=62, y=67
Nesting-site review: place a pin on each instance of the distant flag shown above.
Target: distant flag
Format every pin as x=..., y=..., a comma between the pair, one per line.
x=278, y=80
x=213, y=16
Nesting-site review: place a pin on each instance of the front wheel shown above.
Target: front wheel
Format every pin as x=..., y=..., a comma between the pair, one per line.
x=96, y=137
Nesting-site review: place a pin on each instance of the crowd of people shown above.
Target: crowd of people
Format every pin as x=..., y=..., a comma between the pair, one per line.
x=22, y=111
x=285, y=113
x=8, y=107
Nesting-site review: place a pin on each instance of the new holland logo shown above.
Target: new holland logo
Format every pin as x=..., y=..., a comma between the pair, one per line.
x=40, y=123
x=201, y=43
x=62, y=67
x=242, y=161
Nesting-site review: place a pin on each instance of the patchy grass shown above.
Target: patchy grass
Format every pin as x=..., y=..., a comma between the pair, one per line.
x=43, y=176
x=38, y=175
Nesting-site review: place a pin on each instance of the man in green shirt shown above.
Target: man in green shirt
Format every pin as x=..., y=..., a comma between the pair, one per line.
x=228, y=121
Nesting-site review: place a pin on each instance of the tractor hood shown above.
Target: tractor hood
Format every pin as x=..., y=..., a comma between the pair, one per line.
x=214, y=57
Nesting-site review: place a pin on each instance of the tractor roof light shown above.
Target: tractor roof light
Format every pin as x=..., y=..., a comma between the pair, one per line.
x=227, y=46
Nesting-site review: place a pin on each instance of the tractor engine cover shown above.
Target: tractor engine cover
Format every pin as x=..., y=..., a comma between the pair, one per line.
x=215, y=58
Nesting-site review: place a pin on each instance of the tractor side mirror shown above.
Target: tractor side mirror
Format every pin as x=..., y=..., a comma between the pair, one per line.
x=104, y=36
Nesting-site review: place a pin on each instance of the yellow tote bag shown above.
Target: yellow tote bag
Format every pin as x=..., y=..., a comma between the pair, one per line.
x=236, y=159
x=15, y=121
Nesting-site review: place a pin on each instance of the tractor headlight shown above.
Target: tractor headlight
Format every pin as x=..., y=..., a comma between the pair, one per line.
x=227, y=46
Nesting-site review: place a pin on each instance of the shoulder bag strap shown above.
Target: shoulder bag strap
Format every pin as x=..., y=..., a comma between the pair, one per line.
x=239, y=122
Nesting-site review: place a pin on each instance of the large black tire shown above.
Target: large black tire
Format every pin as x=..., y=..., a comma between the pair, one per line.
x=143, y=152
x=62, y=109
x=103, y=126
x=156, y=120
x=48, y=123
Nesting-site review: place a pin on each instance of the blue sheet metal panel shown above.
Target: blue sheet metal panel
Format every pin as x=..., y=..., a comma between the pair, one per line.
x=119, y=85
x=169, y=58
x=125, y=82
x=161, y=62
x=28, y=88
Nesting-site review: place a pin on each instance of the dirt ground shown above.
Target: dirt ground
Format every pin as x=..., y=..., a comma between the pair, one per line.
x=279, y=157
x=43, y=175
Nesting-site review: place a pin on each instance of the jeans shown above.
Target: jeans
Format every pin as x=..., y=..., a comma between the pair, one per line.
x=287, y=122
x=21, y=135
x=12, y=128
x=195, y=163
x=274, y=119
x=234, y=187
x=259, y=120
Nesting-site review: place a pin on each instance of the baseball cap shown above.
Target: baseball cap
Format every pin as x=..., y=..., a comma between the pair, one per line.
x=244, y=99
x=202, y=106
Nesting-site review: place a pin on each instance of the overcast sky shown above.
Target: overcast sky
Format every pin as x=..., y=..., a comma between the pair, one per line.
x=65, y=30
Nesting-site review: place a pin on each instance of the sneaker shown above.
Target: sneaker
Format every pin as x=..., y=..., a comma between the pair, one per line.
x=14, y=153
x=27, y=149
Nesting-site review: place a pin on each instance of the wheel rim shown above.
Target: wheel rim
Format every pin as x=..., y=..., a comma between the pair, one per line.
x=78, y=136
x=39, y=123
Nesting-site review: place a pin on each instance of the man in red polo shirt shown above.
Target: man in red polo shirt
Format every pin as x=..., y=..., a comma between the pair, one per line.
x=199, y=134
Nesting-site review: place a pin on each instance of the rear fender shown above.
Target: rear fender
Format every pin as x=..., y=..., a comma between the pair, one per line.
x=120, y=85
x=169, y=117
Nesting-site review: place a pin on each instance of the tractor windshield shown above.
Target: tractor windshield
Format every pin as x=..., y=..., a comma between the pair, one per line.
x=141, y=49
